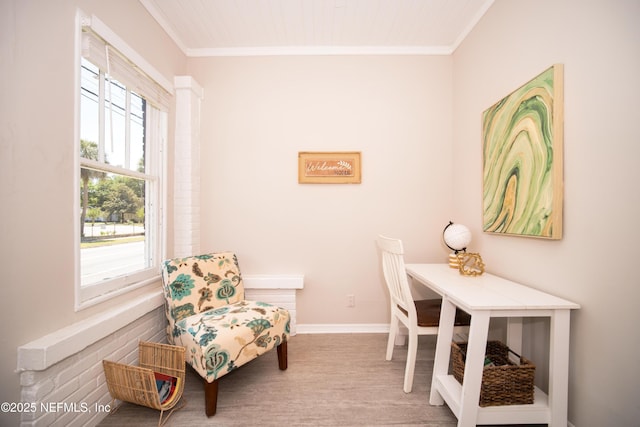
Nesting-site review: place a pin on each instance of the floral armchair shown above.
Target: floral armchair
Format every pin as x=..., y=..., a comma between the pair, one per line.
x=209, y=316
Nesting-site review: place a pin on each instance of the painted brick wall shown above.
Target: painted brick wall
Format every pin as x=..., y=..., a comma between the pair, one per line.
x=73, y=392
x=186, y=166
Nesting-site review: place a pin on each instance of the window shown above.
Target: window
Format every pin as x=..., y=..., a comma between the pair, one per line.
x=122, y=132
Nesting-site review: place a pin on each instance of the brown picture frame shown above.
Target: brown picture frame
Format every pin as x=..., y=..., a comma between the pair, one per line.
x=331, y=167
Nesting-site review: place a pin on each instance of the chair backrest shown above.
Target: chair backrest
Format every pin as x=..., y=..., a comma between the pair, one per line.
x=202, y=282
x=394, y=273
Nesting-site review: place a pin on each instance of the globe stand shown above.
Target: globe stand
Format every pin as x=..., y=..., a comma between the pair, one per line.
x=456, y=237
x=453, y=260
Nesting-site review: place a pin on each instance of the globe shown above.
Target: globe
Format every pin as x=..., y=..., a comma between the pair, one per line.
x=456, y=236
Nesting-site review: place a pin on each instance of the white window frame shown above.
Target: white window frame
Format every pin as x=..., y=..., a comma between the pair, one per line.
x=156, y=161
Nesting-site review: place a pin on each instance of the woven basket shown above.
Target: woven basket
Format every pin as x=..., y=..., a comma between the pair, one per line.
x=503, y=384
x=137, y=384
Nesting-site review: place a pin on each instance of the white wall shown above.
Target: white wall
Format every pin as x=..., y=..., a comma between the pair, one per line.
x=37, y=166
x=594, y=264
x=259, y=112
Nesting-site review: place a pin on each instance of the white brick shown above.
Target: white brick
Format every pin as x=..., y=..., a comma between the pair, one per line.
x=28, y=378
x=80, y=377
x=187, y=166
x=36, y=392
x=45, y=419
x=75, y=370
x=62, y=392
x=91, y=374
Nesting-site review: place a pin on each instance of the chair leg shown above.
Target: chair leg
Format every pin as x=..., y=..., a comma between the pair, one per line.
x=210, y=397
x=282, y=356
x=393, y=332
x=211, y=389
x=411, y=362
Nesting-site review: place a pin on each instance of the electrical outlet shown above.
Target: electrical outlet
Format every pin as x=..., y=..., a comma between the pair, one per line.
x=351, y=300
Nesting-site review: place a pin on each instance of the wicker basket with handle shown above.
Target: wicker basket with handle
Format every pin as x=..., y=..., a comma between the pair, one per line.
x=506, y=383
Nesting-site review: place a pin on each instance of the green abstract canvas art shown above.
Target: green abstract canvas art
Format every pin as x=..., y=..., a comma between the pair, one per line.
x=522, y=139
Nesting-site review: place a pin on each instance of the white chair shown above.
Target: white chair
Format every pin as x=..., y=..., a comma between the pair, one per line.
x=420, y=317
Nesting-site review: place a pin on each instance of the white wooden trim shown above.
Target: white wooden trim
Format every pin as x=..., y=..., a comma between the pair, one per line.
x=50, y=349
x=320, y=50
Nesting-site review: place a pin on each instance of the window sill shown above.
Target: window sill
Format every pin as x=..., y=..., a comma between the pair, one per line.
x=81, y=303
x=46, y=351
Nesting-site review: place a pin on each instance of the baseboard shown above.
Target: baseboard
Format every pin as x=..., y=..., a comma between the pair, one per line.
x=343, y=328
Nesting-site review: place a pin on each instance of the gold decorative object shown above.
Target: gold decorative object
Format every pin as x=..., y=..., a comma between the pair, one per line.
x=456, y=237
x=453, y=261
x=470, y=264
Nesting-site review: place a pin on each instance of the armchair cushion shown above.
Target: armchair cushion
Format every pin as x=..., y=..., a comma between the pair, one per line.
x=220, y=340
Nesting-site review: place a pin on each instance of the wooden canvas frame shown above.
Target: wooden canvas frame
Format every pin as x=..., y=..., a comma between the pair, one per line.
x=522, y=144
x=329, y=167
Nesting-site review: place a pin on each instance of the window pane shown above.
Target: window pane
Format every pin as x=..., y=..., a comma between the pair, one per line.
x=114, y=238
x=90, y=95
x=119, y=187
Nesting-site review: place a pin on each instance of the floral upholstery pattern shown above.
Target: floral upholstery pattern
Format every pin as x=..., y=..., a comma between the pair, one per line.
x=209, y=316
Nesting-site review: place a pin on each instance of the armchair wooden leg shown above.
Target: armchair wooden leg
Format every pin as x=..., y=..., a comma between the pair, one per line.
x=210, y=397
x=282, y=356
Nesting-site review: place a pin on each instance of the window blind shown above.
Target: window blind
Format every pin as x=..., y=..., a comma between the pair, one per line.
x=110, y=60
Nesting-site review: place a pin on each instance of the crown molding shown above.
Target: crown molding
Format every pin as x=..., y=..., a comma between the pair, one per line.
x=463, y=35
x=159, y=18
x=320, y=50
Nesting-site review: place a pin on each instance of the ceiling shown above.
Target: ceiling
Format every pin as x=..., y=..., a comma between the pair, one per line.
x=307, y=27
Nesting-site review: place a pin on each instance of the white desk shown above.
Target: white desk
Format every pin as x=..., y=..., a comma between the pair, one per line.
x=484, y=297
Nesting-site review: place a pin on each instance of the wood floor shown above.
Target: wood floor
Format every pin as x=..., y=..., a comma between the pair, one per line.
x=332, y=380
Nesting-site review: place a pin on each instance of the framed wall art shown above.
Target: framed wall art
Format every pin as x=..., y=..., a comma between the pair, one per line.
x=522, y=144
x=329, y=167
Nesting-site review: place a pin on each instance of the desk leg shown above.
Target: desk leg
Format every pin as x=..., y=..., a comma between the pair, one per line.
x=478, y=333
x=443, y=348
x=559, y=368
